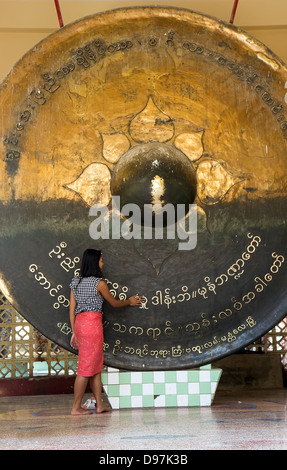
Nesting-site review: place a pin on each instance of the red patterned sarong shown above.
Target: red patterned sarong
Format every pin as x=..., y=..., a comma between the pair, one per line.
x=89, y=334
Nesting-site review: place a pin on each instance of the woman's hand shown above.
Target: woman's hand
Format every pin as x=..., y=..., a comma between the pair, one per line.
x=74, y=342
x=136, y=300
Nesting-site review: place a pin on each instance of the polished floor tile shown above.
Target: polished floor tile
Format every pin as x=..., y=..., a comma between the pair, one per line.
x=236, y=421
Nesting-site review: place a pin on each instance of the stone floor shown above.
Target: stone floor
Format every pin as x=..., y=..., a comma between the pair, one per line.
x=254, y=420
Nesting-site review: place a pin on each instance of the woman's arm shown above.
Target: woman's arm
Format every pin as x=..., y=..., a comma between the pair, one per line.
x=104, y=291
x=72, y=309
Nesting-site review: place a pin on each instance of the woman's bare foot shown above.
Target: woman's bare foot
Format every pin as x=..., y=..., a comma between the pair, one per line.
x=102, y=408
x=80, y=412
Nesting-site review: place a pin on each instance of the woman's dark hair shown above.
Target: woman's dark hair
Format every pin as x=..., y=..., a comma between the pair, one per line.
x=90, y=263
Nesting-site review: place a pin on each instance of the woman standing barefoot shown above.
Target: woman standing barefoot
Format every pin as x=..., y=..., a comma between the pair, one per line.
x=88, y=291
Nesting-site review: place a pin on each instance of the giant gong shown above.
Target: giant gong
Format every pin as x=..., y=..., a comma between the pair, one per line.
x=148, y=106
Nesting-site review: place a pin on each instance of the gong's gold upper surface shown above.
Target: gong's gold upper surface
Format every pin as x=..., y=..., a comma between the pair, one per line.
x=70, y=102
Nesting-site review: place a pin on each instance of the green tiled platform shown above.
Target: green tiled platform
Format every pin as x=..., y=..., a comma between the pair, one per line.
x=129, y=389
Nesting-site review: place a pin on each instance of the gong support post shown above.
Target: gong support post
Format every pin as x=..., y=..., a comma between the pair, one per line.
x=59, y=14
x=235, y=4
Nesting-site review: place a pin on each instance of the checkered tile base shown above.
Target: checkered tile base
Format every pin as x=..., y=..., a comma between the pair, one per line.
x=126, y=389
